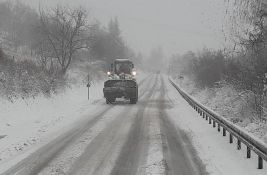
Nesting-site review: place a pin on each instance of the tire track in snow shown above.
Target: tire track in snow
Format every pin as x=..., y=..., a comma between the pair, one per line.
x=178, y=151
x=155, y=163
x=100, y=155
x=34, y=163
x=133, y=153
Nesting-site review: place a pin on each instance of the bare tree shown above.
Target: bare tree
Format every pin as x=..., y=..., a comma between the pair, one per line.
x=64, y=33
x=247, y=20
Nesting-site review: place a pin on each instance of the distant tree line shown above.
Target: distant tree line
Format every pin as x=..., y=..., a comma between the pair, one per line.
x=55, y=36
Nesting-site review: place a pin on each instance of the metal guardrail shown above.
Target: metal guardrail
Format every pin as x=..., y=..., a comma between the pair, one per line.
x=241, y=136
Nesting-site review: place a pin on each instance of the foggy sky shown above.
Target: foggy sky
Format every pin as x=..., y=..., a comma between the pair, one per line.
x=176, y=25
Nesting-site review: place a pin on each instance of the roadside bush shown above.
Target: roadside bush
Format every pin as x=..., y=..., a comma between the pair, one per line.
x=208, y=68
x=205, y=68
x=25, y=79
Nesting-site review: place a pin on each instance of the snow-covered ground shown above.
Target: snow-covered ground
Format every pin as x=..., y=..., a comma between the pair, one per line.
x=30, y=123
x=26, y=122
x=218, y=155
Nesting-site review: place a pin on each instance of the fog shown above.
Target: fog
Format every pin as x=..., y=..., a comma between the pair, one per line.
x=175, y=25
x=107, y=86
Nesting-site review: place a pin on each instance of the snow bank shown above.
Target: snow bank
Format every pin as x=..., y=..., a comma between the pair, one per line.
x=229, y=103
x=24, y=122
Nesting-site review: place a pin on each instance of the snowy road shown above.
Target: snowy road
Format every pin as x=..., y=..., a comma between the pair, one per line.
x=124, y=139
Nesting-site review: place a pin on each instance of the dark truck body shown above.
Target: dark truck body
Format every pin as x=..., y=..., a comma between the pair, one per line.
x=121, y=88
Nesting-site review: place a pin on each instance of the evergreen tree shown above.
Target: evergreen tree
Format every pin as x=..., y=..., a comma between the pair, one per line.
x=113, y=28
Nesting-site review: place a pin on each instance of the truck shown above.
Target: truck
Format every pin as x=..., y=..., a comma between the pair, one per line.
x=121, y=82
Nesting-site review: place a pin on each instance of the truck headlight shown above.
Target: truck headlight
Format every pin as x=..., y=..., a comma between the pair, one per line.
x=109, y=73
x=134, y=73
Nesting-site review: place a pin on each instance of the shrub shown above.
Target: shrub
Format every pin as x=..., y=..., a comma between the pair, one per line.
x=25, y=79
x=208, y=68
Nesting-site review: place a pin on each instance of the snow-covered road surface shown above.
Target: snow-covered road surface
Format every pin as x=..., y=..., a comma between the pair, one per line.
x=161, y=134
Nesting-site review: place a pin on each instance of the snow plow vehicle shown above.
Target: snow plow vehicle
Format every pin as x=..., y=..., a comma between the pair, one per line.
x=121, y=82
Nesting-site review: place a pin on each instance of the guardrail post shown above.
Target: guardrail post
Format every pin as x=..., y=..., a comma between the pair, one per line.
x=209, y=120
x=224, y=132
x=206, y=117
x=214, y=124
x=231, y=138
x=238, y=144
x=260, y=162
x=203, y=115
x=248, y=152
x=219, y=127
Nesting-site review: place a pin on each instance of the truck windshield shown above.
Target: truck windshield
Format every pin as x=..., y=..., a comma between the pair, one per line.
x=123, y=68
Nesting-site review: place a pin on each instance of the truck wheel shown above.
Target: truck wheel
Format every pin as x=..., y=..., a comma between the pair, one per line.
x=107, y=101
x=133, y=100
x=110, y=100
x=137, y=94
